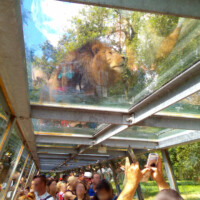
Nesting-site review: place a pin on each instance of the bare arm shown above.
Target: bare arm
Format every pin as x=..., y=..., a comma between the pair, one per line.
x=134, y=176
x=157, y=176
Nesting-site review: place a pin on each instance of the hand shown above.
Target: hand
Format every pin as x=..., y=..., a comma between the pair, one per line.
x=157, y=175
x=134, y=174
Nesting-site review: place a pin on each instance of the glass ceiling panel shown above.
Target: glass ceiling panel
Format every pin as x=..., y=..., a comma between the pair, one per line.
x=148, y=133
x=63, y=126
x=141, y=132
x=88, y=55
x=188, y=107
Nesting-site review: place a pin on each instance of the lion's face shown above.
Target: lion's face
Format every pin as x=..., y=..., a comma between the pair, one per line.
x=107, y=57
x=115, y=60
x=107, y=64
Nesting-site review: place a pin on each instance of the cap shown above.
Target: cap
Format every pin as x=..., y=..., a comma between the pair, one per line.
x=88, y=175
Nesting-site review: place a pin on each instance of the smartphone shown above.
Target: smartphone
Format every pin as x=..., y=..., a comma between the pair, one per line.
x=152, y=160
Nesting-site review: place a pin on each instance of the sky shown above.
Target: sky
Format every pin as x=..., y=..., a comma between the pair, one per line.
x=47, y=20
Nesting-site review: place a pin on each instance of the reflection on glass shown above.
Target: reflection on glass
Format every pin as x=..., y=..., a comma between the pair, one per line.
x=16, y=176
x=186, y=162
x=31, y=175
x=64, y=126
x=188, y=107
x=3, y=121
x=25, y=173
x=8, y=160
x=102, y=56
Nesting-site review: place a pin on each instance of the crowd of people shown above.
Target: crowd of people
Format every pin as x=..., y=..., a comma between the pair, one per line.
x=90, y=186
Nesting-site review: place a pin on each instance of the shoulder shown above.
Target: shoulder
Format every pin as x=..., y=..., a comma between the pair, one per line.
x=67, y=194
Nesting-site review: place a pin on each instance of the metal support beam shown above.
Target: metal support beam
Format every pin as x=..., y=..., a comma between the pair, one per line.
x=136, y=143
x=182, y=8
x=108, y=132
x=82, y=115
x=27, y=180
x=26, y=172
x=45, y=150
x=12, y=172
x=169, y=170
x=184, y=137
x=6, y=135
x=18, y=181
x=64, y=139
x=88, y=152
x=185, y=123
x=117, y=142
x=115, y=178
x=15, y=82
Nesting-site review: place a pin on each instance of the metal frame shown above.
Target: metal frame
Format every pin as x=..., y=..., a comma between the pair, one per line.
x=169, y=170
x=182, y=138
x=120, y=142
x=13, y=171
x=14, y=83
x=65, y=151
x=18, y=181
x=185, y=123
x=30, y=172
x=46, y=111
x=27, y=171
x=177, y=8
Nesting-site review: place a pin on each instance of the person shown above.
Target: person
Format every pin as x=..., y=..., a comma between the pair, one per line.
x=81, y=191
x=40, y=188
x=134, y=175
x=88, y=179
x=61, y=191
x=168, y=194
x=51, y=188
x=96, y=178
x=64, y=178
x=104, y=191
x=70, y=193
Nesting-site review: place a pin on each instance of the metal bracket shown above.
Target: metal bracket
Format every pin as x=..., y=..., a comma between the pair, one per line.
x=129, y=118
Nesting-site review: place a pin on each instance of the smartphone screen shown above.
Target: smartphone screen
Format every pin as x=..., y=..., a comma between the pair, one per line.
x=152, y=160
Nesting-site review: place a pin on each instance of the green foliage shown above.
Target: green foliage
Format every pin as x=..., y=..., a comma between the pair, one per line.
x=186, y=161
x=163, y=25
x=51, y=57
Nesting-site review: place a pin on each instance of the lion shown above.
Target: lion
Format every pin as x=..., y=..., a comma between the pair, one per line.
x=93, y=67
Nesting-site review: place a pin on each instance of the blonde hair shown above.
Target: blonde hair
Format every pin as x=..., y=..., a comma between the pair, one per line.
x=71, y=179
x=59, y=186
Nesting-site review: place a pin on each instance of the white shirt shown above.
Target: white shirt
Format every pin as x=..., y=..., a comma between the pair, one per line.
x=45, y=195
